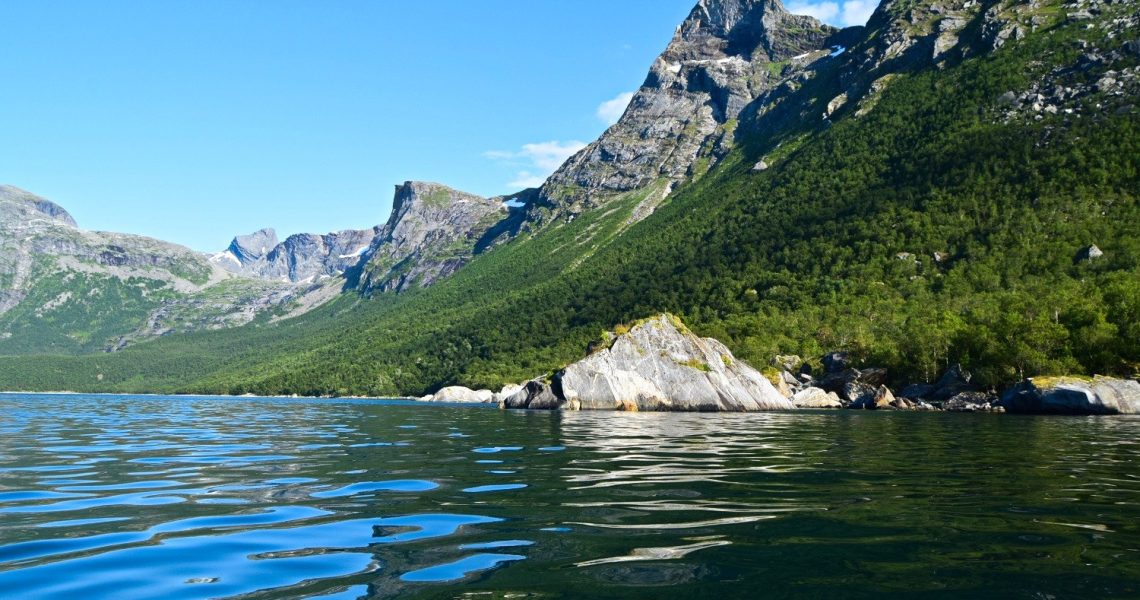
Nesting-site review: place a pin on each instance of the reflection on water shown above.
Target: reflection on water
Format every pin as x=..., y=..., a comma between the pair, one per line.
x=144, y=497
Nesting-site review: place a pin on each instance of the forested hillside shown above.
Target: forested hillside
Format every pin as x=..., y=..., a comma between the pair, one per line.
x=949, y=217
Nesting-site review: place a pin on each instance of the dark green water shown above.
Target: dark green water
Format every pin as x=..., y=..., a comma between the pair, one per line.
x=142, y=497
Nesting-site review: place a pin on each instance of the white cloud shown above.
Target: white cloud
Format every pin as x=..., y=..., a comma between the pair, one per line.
x=856, y=12
x=526, y=180
x=844, y=13
x=537, y=161
x=824, y=11
x=612, y=110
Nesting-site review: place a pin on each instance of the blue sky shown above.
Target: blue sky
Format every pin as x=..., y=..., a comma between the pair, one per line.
x=197, y=121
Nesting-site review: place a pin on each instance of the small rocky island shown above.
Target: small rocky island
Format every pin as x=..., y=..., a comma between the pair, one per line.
x=659, y=365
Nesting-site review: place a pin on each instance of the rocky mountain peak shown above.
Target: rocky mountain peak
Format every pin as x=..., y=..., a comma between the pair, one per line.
x=304, y=258
x=255, y=246
x=733, y=26
x=727, y=55
x=29, y=201
x=432, y=232
x=427, y=197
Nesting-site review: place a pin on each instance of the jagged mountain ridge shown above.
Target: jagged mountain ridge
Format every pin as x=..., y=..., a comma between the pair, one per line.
x=683, y=120
x=50, y=268
x=302, y=258
x=65, y=289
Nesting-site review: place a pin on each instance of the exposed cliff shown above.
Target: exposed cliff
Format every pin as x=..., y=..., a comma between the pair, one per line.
x=684, y=118
x=432, y=232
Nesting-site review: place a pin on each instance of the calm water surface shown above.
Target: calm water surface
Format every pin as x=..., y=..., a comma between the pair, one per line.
x=145, y=497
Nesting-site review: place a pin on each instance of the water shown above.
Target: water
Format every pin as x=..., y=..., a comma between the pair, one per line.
x=144, y=497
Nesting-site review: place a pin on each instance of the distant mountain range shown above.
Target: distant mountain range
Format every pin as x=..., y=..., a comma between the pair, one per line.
x=927, y=189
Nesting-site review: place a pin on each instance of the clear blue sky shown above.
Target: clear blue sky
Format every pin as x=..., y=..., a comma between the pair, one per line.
x=197, y=121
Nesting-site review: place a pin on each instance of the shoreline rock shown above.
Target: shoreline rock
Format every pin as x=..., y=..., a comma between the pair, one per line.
x=1073, y=396
x=658, y=365
x=460, y=394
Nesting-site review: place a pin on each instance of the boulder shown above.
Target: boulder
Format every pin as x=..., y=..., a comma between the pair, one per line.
x=954, y=381
x=780, y=382
x=854, y=385
x=971, y=402
x=659, y=365
x=917, y=391
x=790, y=363
x=836, y=362
x=535, y=395
x=883, y=399
x=814, y=397
x=1089, y=254
x=461, y=394
x=872, y=398
x=507, y=391
x=1073, y=396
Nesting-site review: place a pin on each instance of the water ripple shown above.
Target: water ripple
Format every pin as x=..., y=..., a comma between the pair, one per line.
x=142, y=497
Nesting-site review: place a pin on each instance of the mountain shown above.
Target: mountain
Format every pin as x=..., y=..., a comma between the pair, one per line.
x=301, y=258
x=956, y=181
x=67, y=290
x=683, y=120
x=432, y=232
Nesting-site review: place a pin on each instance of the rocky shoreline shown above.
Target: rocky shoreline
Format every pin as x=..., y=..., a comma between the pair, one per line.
x=659, y=365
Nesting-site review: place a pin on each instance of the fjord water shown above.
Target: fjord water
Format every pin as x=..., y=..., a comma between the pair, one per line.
x=150, y=497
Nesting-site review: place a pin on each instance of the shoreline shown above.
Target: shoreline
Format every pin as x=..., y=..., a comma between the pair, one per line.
x=242, y=396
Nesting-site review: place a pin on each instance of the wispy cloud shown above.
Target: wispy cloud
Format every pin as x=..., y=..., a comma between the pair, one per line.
x=525, y=180
x=611, y=111
x=844, y=13
x=535, y=161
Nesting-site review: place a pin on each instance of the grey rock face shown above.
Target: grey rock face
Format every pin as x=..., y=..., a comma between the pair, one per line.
x=537, y=395
x=724, y=56
x=255, y=246
x=814, y=397
x=461, y=394
x=1072, y=396
x=660, y=366
x=20, y=200
x=508, y=391
x=432, y=232
x=301, y=258
x=1091, y=253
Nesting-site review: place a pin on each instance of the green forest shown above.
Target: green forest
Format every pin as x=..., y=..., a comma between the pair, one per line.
x=929, y=231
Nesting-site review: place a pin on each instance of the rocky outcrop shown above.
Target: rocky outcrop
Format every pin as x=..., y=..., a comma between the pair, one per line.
x=537, y=395
x=432, y=232
x=461, y=394
x=508, y=391
x=253, y=247
x=724, y=56
x=813, y=397
x=1073, y=396
x=19, y=202
x=658, y=365
x=301, y=258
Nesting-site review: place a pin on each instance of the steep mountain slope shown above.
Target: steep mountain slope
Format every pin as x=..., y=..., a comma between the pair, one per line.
x=684, y=118
x=930, y=195
x=432, y=232
x=66, y=290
